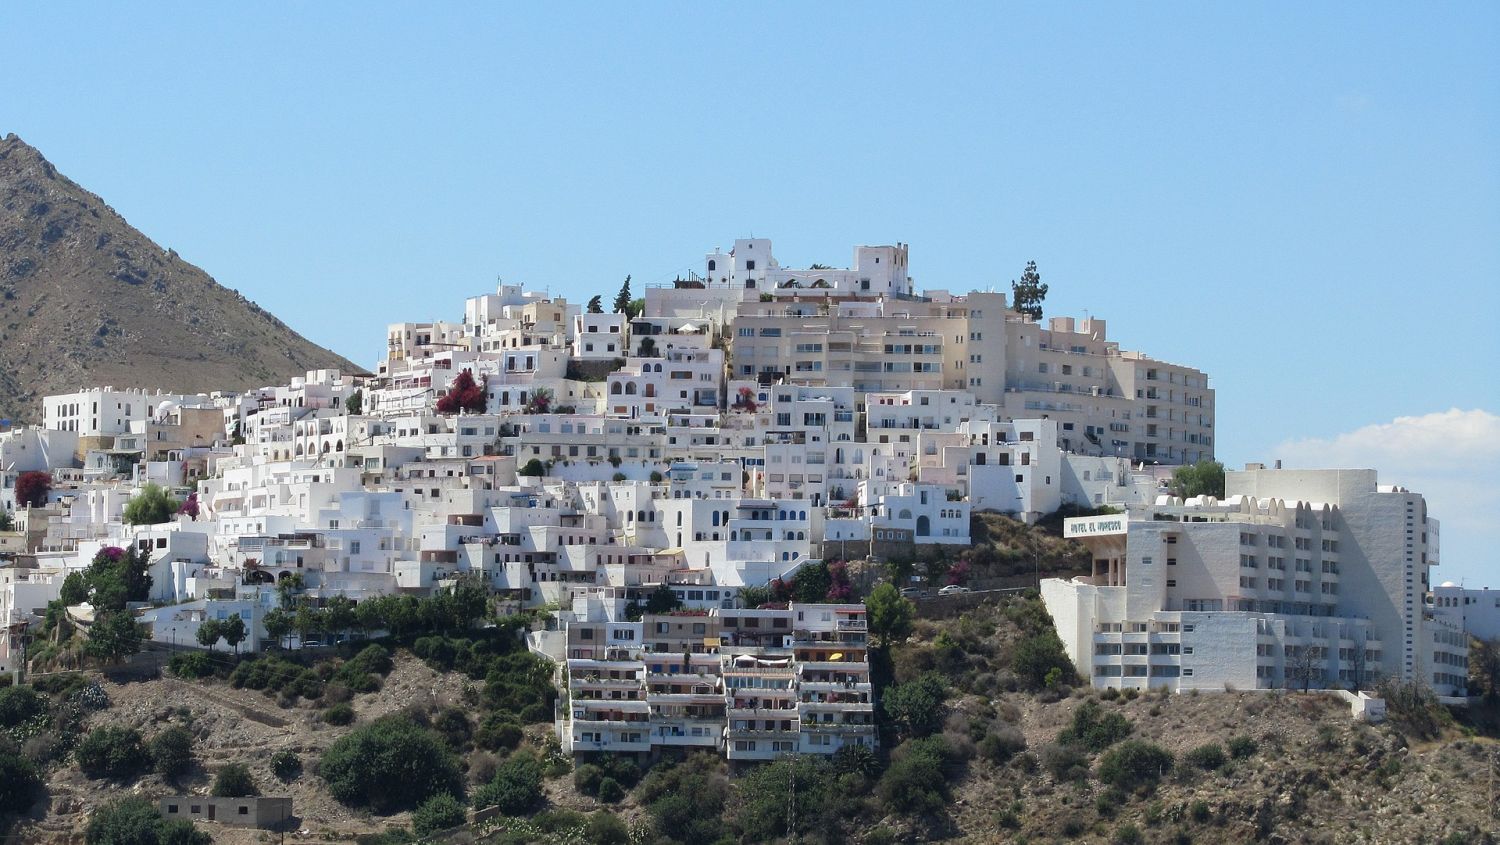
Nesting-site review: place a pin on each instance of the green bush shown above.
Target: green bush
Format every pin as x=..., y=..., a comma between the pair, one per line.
x=439, y=812
x=135, y=821
x=453, y=725
x=610, y=791
x=516, y=788
x=686, y=801
x=916, y=707
x=1241, y=747
x=19, y=783
x=498, y=731
x=605, y=828
x=1037, y=655
x=1001, y=743
x=1094, y=728
x=272, y=674
x=1134, y=764
x=339, y=714
x=1064, y=762
x=20, y=704
x=916, y=781
x=191, y=665
x=586, y=778
x=1127, y=834
x=112, y=752
x=286, y=765
x=389, y=765
x=1207, y=757
x=171, y=751
x=1199, y=811
x=234, y=781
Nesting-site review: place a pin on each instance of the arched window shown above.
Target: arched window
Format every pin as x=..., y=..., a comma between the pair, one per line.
x=712, y=265
x=615, y=389
x=905, y=514
x=714, y=521
x=630, y=389
x=924, y=526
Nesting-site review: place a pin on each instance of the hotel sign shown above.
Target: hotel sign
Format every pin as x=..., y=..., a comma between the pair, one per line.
x=1094, y=526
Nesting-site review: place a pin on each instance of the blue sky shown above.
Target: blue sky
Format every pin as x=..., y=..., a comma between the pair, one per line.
x=1303, y=202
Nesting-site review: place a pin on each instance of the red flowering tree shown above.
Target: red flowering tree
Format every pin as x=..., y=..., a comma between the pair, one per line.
x=190, y=506
x=465, y=394
x=958, y=573
x=32, y=489
x=840, y=588
x=781, y=591
x=744, y=401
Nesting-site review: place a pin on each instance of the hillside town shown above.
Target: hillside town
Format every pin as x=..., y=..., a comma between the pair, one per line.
x=656, y=470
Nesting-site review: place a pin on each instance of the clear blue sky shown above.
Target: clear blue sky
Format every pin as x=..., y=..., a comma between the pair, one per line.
x=1303, y=202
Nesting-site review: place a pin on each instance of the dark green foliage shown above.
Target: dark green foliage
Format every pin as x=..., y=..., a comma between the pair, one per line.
x=152, y=506
x=1064, y=762
x=113, y=636
x=20, y=704
x=1127, y=834
x=74, y=590
x=1241, y=747
x=191, y=665
x=662, y=600
x=533, y=468
x=1040, y=661
x=811, y=583
x=916, y=782
x=686, y=801
x=889, y=613
x=915, y=708
x=389, y=765
x=362, y=672
x=1207, y=757
x=286, y=765
x=135, y=821
x=622, y=299
x=1134, y=764
x=1001, y=743
x=1205, y=478
x=758, y=808
x=586, y=778
x=439, y=812
x=605, y=828
x=171, y=751
x=1026, y=296
x=19, y=783
x=516, y=788
x=234, y=781
x=1094, y=728
x=610, y=791
x=272, y=675
x=355, y=404
x=498, y=731
x=339, y=714
x=111, y=752
x=453, y=725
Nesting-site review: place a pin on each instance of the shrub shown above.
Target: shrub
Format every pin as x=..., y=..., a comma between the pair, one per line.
x=1127, y=834
x=1036, y=655
x=916, y=781
x=19, y=783
x=20, y=704
x=453, y=725
x=586, y=778
x=1093, y=728
x=1064, y=762
x=191, y=665
x=111, y=752
x=135, y=821
x=498, y=731
x=1242, y=746
x=234, y=781
x=1001, y=743
x=389, y=765
x=1134, y=764
x=605, y=828
x=517, y=787
x=286, y=765
x=610, y=791
x=1207, y=757
x=916, y=707
x=339, y=714
x=171, y=751
x=439, y=812
x=1199, y=811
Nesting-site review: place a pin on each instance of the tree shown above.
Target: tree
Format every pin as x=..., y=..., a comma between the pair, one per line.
x=389, y=765
x=152, y=506
x=209, y=632
x=1039, y=660
x=539, y=401
x=1094, y=729
x=340, y=614
x=647, y=348
x=233, y=631
x=1304, y=666
x=278, y=624
x=622, y=299
x=811, y=583
x=753, y=597
x=635, y=308
x=113, y=636
x=1205, y=478
x=19, y=705
x=74, y=590
x=1134, y=764
x=171, y=751
x=464, y=394
x=112, y=752
x=916, y=707
x=355, y=404
x=190, y=507
x=19, y=783
x=889, y=614
x=534, y=468
x=662, y=600
x=287, y=589
x=596, y=305
x=7, y=522
x=1027, y=294
x=32, y=489
x=234, y=781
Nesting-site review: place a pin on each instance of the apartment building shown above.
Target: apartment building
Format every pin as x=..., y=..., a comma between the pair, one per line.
x=1297, y=579
x=754, y=684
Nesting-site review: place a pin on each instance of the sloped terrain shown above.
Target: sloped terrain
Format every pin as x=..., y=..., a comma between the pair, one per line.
x=88, y=300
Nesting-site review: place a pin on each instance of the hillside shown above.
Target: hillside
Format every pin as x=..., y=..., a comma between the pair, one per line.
x=86, y=299
x=985, y=760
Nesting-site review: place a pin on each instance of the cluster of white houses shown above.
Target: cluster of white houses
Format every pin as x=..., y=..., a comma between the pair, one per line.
x=750, y=419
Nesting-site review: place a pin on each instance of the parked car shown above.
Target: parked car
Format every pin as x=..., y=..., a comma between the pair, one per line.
x=312, y=644
x=912, y=592
x=953, y=590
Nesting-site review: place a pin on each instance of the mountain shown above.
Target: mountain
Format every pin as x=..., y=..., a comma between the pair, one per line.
x=87, y=300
